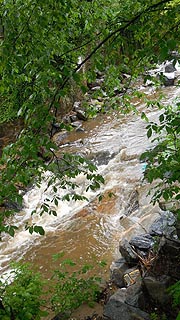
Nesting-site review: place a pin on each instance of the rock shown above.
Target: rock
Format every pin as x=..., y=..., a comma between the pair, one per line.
x=76, y=124
x=168, y=79
x=56, y=127
x=66, y=119
x=73, y=118
x=172, y=205
x=169, y=67
x=168, y=259
x=156, y=288
x=135, y=296
x=62, y=316
x=163, y=225
x=117, y=309
x=132, y=276
x=133, y=203
x=96, y=88
x=127, y=252
x=76, y=105
x=60, y=137
x=12, y=205
x=80, y=129
x=103, y=157
x=142, y=242
x=117, y=270
x=81, y=115
x=96, y=84
x=175, y=54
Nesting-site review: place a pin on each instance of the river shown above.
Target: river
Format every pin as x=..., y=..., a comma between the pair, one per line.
x=90, y=231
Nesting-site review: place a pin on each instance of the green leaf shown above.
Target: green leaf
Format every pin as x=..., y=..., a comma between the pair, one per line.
x=39, y=229
x=149, y=133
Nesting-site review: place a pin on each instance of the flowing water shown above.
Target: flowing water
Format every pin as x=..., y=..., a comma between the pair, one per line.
x=90, y=231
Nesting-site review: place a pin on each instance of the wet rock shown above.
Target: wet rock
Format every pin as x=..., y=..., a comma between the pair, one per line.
x=156, y=288
x=11, y=205
x=73, y=118
x=55, y=127
x=135, y=296
x=80, y=129
x=127, y=252
x=59, y=137
x=132, y=276
x=117, y=308
x=168, y=259
x=133, y=203
x=96, y=84
x=163, y=225
x=96, y=88
x=172, y=205
x=142, y=242
x=168, y=79
x=117, y=270
x=81, y=115
x=66, y=119
x=103, y=157
x=76, y=124
x=76, y=105
x=169, y=67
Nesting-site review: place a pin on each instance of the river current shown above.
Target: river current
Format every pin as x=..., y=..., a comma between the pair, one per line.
x=90, y=231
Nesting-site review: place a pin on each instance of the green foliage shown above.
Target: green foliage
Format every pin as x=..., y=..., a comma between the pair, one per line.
x=21, y=299
x=71, y=290
x=24, y=296
x=164, y=157
x=174, y=290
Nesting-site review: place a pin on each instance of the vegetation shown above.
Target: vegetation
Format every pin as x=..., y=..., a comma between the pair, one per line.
x=164, y=157
x=30, y=297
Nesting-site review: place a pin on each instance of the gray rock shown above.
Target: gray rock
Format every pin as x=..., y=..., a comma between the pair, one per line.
x=76, y=105
x=117, y=309
x=135, y=296
x=81, y=115
x=169, y=67
x=168, y=81
x=73, y=117
x=133, y=203
x=131, y=276
x=76, y=124
x=142, y=242
x=156, y=288
x=127, y=252
x=163, y=225
x=117, y=270
x=168, y=260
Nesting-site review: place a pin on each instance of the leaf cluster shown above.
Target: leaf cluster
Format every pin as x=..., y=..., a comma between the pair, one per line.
x=164, y=157
x=24, y=294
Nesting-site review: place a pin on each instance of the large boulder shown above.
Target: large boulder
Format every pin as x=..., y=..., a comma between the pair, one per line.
x=169, y=67
x=157, y=288
x=164, y=225
x=118, y=309
x=81, y=115
x=127, y=252
x=168, y=259
x=117, y=270
x=142, y=242
x=135, y=296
